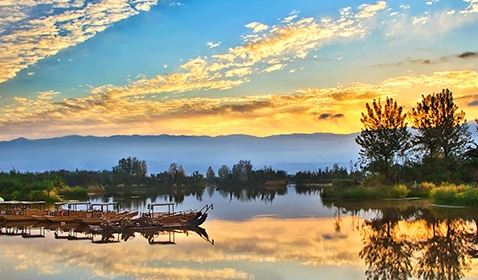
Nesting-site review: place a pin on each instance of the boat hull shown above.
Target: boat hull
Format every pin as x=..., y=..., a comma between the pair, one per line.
x=16, y=218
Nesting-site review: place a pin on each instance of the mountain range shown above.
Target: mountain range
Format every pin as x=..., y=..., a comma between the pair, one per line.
x=290, y=152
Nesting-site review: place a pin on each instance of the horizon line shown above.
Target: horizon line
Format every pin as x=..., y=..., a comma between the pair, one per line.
x=174, y=135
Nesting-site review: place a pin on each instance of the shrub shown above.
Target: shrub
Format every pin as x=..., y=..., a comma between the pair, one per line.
x=344, y=183
x=372, y=181
x=427, y=186
x=354, y=193
x=96, y=189
x=399, y=191
x=73, y=192
x=422, y=190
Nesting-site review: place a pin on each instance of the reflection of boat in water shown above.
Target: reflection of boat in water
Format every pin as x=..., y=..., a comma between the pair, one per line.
x=98, y=234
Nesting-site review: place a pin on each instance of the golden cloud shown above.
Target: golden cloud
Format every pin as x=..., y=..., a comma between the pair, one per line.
x=106, y=112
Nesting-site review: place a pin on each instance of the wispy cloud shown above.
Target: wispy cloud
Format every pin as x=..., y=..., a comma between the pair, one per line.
x=468, y=55
x=428, y=61
x=265, y=50
x=33, y=30
x=330, y=116
x=430, y=23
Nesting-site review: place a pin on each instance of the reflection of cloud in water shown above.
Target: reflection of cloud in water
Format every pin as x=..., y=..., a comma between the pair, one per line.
x=310, y=243
x=257, y=240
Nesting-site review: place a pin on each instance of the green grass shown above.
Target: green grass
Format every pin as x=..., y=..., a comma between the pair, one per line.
x=29, y=186
x=351, y=193
x=444, y=194
x=73, y=192
x=456, y=195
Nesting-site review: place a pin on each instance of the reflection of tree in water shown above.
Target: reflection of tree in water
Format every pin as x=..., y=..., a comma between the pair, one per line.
x=440, y=250
x=252, y=194
x=387, y=255
x=444, y=254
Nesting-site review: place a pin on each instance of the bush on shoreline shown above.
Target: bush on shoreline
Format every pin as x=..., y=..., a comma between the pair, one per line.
x=73, y=192
x=455, y=195
x=443, y=194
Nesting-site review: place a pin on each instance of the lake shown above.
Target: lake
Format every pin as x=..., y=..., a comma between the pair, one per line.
x=264, y=236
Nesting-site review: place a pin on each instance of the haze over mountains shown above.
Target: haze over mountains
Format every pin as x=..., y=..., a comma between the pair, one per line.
x=288, y=152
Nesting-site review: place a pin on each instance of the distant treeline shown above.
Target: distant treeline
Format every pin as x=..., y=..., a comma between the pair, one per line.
x=130, y=176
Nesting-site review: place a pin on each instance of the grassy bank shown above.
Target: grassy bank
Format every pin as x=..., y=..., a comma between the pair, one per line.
x=50, y=188
x=443, y=194
x=455, y=195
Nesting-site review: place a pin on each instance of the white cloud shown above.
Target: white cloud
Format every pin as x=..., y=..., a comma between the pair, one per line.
x=270, y=51
x=274, y=67
x=26, y=37
x=212, y=45
x=472, y=7
x=431, y=23
x=419, y=20
x=257, y=27
x=369, y=10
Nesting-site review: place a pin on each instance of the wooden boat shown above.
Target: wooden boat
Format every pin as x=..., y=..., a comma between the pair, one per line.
x=175, y=220
x=65, y=217
x=63, y=226
x=19, y=224
x=130, y=215
x=106, y=217
x=16, y=218
x=12, y=211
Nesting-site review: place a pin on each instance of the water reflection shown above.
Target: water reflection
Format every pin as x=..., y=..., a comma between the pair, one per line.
x=419, y=243
x=391, y=241
x=97, y=235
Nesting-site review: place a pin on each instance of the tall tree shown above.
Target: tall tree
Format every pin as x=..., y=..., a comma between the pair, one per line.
x=384, y=136
x=129, y=170
x=176, y=173
x=242, y=171
x=210, y=175
x=132, y=167
x=441, y=129
x=224, y=173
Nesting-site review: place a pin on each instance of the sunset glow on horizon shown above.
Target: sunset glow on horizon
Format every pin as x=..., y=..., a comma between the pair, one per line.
x=226, y=67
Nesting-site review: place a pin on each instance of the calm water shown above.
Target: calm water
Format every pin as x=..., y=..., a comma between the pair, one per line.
x=290, y=236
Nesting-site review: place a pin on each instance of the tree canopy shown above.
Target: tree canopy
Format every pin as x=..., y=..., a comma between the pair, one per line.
x=441, y=129
x=131, y=166
x=384, y=136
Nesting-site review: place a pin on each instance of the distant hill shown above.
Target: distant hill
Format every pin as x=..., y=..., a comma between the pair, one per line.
x=289, y=152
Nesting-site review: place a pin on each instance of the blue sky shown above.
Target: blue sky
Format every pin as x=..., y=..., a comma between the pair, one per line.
x=61, y=60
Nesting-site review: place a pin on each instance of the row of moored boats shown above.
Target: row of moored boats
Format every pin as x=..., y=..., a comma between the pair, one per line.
x=100, y=214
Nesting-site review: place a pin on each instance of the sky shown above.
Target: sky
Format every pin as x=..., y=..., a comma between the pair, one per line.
x=215, y=67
